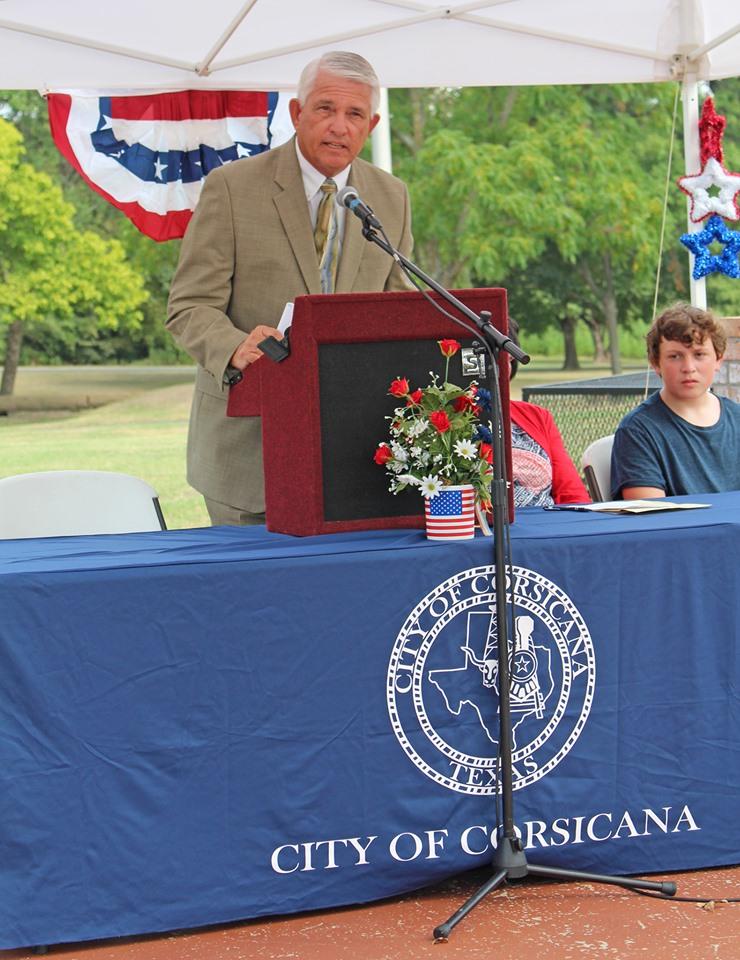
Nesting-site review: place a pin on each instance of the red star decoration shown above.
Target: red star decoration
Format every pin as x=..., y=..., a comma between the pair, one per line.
x=711, y=128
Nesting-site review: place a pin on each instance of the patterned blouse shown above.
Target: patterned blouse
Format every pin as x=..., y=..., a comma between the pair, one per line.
x=531, y=469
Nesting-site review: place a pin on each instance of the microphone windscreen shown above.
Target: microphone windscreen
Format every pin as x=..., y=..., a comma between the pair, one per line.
x=346, y=195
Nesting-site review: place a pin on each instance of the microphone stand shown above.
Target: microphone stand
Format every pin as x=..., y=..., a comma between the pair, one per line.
x=509, y=860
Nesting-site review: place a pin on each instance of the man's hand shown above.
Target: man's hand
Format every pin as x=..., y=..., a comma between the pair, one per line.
x=247, y=351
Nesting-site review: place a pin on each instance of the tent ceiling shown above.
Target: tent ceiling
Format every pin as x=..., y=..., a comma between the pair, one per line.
x=263, y=44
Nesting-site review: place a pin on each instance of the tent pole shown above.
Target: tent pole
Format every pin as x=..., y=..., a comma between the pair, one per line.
x=691, y=33
x=381, y=135
x=690, y=98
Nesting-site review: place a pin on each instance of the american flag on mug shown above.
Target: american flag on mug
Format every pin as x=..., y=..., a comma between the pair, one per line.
x=450, y=515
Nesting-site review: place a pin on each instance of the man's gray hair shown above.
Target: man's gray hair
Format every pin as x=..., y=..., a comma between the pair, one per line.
x=340, y=63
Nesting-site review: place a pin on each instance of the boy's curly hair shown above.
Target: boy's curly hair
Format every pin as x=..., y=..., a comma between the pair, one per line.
x=688, y=325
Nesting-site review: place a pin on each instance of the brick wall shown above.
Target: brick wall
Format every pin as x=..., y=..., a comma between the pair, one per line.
x=727, y=381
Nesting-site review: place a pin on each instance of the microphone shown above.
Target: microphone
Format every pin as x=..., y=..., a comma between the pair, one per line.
x=348, y=197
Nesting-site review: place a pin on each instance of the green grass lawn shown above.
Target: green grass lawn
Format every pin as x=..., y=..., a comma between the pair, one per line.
x=62, y=389
x=143, y=435
x=134, y=420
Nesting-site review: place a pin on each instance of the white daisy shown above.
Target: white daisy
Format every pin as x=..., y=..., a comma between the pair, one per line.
x=466, y=449
x=430, y=486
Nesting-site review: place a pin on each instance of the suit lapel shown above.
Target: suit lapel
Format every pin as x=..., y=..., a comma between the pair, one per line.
x=293, y=212
x=353, y=242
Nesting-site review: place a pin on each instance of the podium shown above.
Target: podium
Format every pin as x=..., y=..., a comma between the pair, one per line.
x=325, y=408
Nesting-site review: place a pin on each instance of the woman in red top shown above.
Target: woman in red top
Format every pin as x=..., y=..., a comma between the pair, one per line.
x=543, y=473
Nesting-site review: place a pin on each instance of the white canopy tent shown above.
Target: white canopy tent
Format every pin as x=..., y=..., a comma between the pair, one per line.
x=263, y=44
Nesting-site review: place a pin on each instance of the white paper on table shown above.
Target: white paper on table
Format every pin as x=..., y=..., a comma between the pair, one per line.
x=627, y=506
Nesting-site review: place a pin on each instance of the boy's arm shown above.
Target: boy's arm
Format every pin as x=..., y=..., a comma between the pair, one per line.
x=642, y=493
x=636, y=472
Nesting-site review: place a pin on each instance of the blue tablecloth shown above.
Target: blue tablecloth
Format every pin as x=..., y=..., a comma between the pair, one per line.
x=204, y=725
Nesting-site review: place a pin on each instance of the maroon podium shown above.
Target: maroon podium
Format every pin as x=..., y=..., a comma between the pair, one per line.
x=324, y=409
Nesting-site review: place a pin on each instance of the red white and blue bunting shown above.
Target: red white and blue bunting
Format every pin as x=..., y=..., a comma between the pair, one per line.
x=149, y=154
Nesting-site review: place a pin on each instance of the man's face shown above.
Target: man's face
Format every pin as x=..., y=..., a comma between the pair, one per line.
x=687, y=371
x=333, y=123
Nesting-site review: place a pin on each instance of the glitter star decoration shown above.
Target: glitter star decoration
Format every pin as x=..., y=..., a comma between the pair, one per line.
x=704, y=204
x=706, y=262
x=711, y=129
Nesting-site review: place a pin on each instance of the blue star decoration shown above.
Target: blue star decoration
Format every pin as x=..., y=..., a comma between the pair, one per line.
x=706, y=262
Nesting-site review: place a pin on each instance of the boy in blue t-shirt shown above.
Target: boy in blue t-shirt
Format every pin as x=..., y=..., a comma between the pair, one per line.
x=684, y=439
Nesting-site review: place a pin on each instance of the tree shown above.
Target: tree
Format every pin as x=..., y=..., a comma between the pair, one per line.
x=50, y=271
x=480, y=209
x=615, y=143
x=544, y=293
x=537, y=182
x=154, y=262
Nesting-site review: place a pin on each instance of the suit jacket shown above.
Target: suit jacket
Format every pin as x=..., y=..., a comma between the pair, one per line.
x=247, y=251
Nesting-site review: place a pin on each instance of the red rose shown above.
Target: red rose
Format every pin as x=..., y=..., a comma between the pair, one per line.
x=464, y=403
x=399, y=388
x=448, y=347
x=383, y=454
x=486, y=452
x=440, y=421
x=414, y=398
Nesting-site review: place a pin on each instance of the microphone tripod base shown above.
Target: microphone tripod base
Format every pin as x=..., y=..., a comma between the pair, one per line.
x=510, y=863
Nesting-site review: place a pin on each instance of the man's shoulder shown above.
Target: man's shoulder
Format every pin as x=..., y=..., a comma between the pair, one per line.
x=369, y=173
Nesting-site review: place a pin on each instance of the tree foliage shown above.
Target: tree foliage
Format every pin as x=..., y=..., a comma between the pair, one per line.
x=555, y=193
x=153, y=262
x=50, y=271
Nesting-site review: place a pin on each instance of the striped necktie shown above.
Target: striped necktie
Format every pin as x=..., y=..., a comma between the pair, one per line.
x=325, y=237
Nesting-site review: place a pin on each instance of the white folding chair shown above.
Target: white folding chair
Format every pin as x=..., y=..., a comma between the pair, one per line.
x=597, y=468
x=59, y=503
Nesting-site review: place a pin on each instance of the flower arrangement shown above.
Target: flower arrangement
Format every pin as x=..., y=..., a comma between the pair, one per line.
x=436, y=438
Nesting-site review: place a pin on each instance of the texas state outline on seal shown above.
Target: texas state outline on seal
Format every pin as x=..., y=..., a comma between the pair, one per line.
x=442, y=685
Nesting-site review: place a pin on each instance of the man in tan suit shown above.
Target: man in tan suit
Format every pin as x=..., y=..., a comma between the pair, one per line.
x=250, y=248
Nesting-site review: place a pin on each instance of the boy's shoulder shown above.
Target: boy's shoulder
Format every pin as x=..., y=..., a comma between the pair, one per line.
x=650, y=410
x=730, y=407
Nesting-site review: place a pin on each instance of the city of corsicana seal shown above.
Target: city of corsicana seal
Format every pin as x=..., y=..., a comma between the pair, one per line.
x=443, y=680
